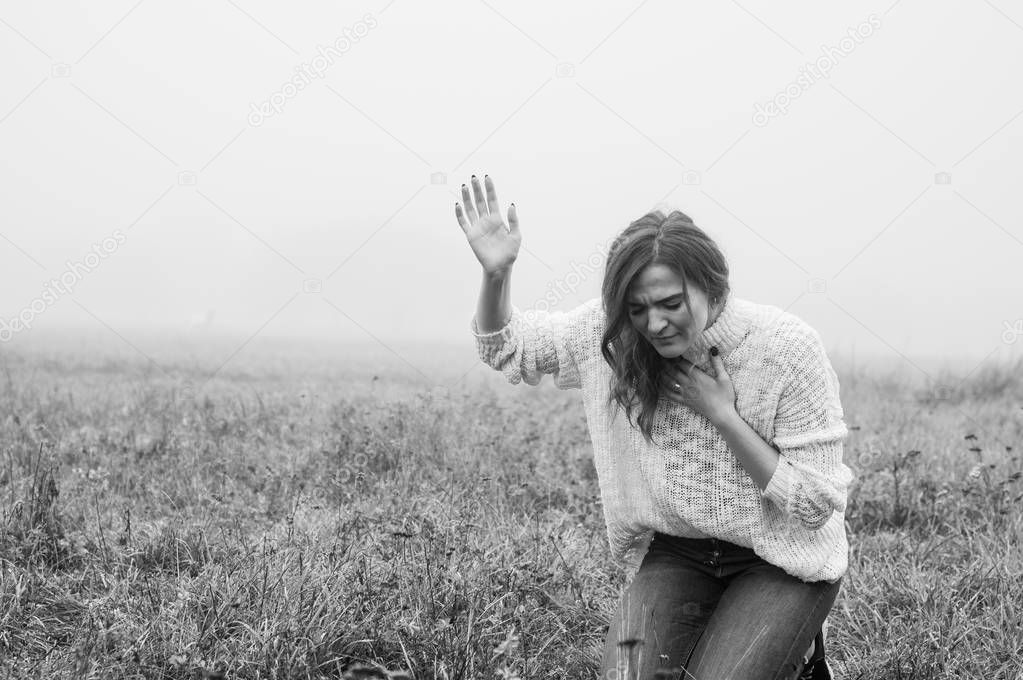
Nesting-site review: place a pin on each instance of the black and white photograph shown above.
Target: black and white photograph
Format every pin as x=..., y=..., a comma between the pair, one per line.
x=492, y=340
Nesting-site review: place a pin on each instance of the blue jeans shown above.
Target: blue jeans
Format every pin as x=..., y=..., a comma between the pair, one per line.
x=712, y=610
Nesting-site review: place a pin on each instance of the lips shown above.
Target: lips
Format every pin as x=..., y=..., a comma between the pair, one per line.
x=667, y=337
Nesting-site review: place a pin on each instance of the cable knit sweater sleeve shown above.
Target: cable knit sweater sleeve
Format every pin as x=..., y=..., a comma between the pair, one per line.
x=811, y=481
x=539, y=342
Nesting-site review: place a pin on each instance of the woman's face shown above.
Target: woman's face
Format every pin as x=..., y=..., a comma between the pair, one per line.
x=657, y=309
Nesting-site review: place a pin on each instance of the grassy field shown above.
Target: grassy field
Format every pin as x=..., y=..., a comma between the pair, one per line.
x=289, y=519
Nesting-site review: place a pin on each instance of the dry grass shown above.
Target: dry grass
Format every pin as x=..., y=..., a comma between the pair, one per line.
x=294, y=526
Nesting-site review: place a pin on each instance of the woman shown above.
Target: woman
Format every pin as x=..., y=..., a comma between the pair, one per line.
x=723, y=486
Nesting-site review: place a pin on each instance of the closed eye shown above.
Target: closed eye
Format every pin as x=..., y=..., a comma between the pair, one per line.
x=677, y=305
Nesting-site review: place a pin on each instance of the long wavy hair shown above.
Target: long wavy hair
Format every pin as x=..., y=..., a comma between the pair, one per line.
x=673, y=241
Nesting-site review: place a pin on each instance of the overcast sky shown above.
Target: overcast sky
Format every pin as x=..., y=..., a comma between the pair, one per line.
x=270, y=169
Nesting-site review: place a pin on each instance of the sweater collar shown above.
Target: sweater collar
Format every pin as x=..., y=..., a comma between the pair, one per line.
x=727, y=331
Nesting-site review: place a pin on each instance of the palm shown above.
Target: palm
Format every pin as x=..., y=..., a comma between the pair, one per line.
x=495, y=244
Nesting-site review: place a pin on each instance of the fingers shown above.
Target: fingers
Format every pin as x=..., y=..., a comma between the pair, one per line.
x=470, y=211
x=477, y=191
x=495, y=208
x=462, y=222
x=719, y=367
x=677, y=375
x=479, y=205
x=683, y=392
x=513, y=219
x=685, y=367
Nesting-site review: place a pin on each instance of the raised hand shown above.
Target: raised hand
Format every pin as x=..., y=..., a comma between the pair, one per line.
x=495, y=244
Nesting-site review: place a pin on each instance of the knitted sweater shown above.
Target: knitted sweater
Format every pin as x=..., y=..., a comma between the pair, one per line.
x=688, y=483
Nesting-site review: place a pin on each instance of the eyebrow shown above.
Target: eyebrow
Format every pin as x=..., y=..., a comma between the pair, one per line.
x=657, y=302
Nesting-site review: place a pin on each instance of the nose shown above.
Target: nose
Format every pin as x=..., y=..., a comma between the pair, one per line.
x=656, y=325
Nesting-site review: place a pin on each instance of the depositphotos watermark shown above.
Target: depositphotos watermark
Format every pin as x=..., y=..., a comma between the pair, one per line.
x=1012, y=331
x=54, y=288
x=810, y=73
x=274, y=104
x=559, y=289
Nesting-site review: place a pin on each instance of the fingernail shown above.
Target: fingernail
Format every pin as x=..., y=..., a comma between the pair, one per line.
x=713, y=351
x=474, y=176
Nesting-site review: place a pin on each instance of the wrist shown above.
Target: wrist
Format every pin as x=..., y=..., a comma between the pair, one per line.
x=726, y=419
x=498, y=275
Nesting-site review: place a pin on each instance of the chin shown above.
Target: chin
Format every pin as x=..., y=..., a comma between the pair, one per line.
x=673, y=352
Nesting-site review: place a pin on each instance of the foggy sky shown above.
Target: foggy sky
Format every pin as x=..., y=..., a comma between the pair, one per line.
x=143, y=168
